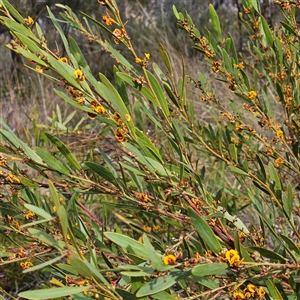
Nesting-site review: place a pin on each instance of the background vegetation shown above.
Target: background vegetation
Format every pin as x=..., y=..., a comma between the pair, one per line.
x=177, y=174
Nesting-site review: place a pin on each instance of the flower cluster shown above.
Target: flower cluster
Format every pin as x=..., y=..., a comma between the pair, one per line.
x=143, y=62
x=252, y=95
x=121, y=131
x=231, y=257
x=26, y=264
x=250, y=291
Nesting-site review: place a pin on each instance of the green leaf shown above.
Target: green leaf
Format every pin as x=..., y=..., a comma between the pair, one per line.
x=17, y=143
x=18, y=28
x=64, y=151
x=131, y=245
x=143, y=90
x=163, y=296
x=121, y=59
x=233, y=152
x=215, y=22
x=43, y=236
x=267, y=253
x=209, y=269
x=291, y=244
x=288, y=201
x=112, y=96
x=53, y=293
x=274, y=176
x=237, y=170
x=39, y=211
x=121, y=87
x=161, y=283
x=175, y=12
x=13, y=11
x=267, y=32
x=273, y=290
x=78, y=54
x=156, y=260
x=62, y=214
x=204, y=231
x=51, y=161
x=158, y=93
x=165, y=56
x=45, y=264
x=80, y=266
x=102, y=171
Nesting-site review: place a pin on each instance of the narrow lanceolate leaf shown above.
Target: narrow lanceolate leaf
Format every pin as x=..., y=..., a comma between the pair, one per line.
x=17, y=143
x=215, y=22
x=51, y=161
x=39, y=211
x=209, y=269
x=161, y=283
x=204, y=231
x=155, y=258
x=131, y=245
x=102, y=171
x=64, y=151
x=158, y=93
x=165, y=56
x=53, y=293
x=45, y=264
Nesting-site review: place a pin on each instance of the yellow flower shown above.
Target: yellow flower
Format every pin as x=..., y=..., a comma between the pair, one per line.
x=252, y=95
x=278, y=162
x=147, y=56
x=238, y=295
x=250, y=290
x=29, y=215
x=232, y=257
x=120, y=134
x=39, y=69
x=169, y=259
x=240, y=66
x=261, y=292
x=78, y=74
x=2, y=162
x=144, y=197
x=54, y=208
x=26, y=264
x=156, y=228
x=64, y=59
x=279, y=134
x=138, y=60
x=12, y=178
x=100, y=109
x=29, y=21
x=108, y=20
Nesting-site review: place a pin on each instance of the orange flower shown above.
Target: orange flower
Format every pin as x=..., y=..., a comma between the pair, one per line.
x=252, y=95
x=108, y=20
x=64, y=59
x=29, y=215
x=169, y=259
x=261, y=292
x=26, y=264
x=100, y=109
x=120, y=134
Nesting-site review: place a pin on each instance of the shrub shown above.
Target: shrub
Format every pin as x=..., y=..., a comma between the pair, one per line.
x=176, y=208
